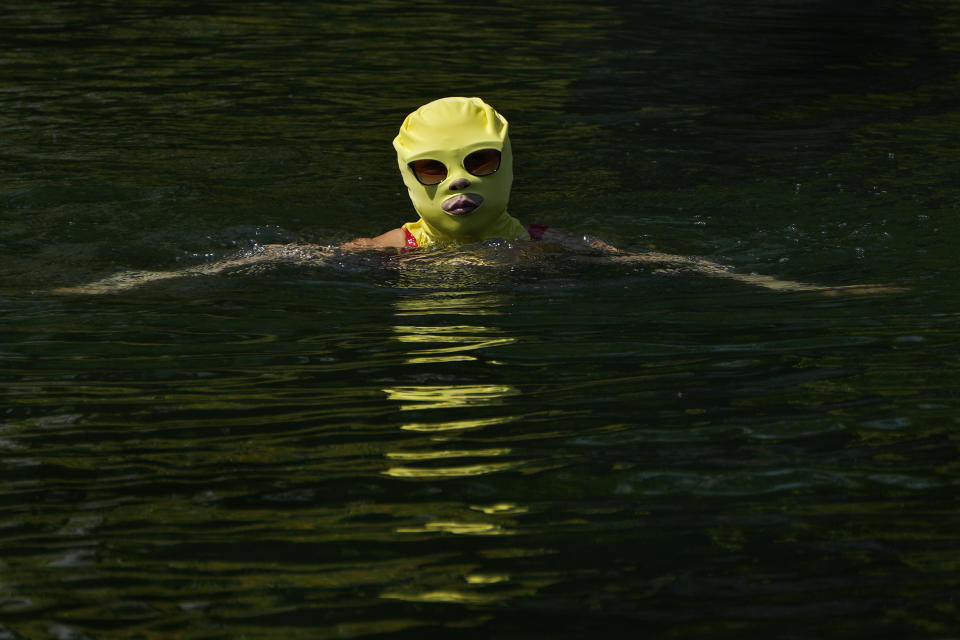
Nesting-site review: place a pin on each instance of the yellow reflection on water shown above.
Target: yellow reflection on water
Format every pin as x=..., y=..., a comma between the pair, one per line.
x=455, y=597
x=466, y=303
x=454, y=333
x=478, y=578
x=456, y=425
x=448, y=396
x=427, y=359
x=457, y=340
x=432, y=338
x=435, y=455
x=451, y=472
x=500, y=507
x=440, y=341
x=459, y=528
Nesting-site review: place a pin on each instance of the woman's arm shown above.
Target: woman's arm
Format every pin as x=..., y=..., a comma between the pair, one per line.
x=694, y=264
x=135, y=278
x=395, y=238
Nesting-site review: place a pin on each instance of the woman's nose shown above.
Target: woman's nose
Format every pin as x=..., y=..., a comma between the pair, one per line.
x=459, y=183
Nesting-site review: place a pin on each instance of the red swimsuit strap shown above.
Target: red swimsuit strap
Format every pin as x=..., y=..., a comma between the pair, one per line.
x=536, y=231
x=411, y=241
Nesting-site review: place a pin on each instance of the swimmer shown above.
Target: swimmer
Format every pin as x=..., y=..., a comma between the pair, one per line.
x=455, y=158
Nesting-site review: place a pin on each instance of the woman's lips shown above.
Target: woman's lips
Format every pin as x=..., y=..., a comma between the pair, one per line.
x=462, y=204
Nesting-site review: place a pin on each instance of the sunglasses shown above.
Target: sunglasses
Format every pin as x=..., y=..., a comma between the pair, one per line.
x=483, y=162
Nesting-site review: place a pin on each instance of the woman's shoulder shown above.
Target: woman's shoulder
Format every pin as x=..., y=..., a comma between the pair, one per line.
x=393, y=238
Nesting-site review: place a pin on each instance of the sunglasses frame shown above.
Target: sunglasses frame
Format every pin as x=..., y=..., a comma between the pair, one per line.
x=447, y=171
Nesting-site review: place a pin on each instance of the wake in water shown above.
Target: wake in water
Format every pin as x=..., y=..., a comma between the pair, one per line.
x=495, y=254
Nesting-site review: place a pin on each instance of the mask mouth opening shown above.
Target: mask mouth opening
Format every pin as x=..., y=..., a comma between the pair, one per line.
x=463, y=204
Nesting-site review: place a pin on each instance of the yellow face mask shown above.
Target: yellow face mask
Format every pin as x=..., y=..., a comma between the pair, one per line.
x=455, y=157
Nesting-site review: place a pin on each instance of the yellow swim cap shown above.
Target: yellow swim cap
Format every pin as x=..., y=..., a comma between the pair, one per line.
x=461, y=194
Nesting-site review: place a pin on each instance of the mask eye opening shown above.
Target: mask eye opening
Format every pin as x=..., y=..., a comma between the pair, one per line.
x=428, y=172
x=483, y=162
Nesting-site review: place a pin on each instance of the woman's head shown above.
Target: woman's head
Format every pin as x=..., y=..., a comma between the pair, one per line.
x=455, y=158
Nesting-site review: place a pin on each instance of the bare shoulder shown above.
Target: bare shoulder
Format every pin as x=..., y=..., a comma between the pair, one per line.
x=393, y=238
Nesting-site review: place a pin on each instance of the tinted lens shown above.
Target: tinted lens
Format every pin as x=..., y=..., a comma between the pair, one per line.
x=428, y=172
x=482, y=162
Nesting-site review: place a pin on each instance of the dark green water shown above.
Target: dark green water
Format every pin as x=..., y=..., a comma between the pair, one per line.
x=504, y=442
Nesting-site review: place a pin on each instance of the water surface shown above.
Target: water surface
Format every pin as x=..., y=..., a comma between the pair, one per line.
x=501, y=441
